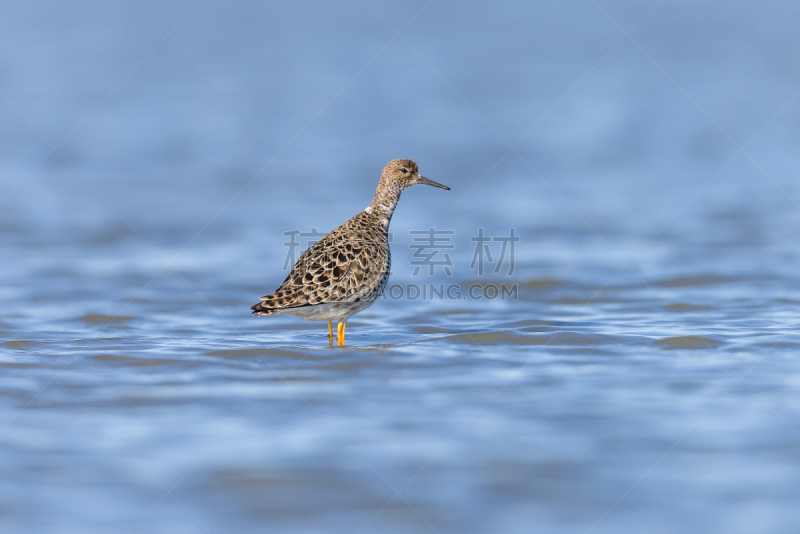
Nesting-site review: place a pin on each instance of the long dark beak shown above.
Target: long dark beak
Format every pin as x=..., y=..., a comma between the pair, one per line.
x=427, y=181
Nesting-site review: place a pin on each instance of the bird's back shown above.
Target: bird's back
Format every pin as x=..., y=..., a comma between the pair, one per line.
x=349, y=266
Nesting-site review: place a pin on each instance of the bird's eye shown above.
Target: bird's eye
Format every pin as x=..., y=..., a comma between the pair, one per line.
x=404, y=170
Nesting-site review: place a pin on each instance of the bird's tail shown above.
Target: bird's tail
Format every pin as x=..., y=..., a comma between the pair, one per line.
x=262, y=308
x=274, y=303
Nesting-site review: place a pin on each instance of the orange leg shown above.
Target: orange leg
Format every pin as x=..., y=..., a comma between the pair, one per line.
x=330, y=333
x=340, y=333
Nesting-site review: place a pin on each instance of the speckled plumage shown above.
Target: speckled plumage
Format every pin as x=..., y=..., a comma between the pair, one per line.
x=347, y=270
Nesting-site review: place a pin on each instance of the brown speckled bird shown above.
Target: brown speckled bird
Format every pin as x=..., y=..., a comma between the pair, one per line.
x=347, y=270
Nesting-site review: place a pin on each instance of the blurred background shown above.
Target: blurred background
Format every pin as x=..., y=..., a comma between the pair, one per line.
x=643, y=377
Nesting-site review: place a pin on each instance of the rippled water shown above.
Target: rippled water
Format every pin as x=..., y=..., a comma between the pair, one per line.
x=644, y=379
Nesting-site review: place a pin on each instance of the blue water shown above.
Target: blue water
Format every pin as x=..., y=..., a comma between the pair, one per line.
x=643, y=377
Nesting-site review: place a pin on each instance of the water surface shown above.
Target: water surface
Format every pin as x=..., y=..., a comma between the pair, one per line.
x=644, y=379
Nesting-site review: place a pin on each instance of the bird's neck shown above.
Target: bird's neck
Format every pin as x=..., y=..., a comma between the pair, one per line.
x=382, y=206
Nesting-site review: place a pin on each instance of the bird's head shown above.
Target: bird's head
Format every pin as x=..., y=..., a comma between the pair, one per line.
x=403, y=173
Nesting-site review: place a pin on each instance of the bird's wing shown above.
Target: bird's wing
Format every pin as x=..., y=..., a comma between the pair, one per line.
x=345, y=264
